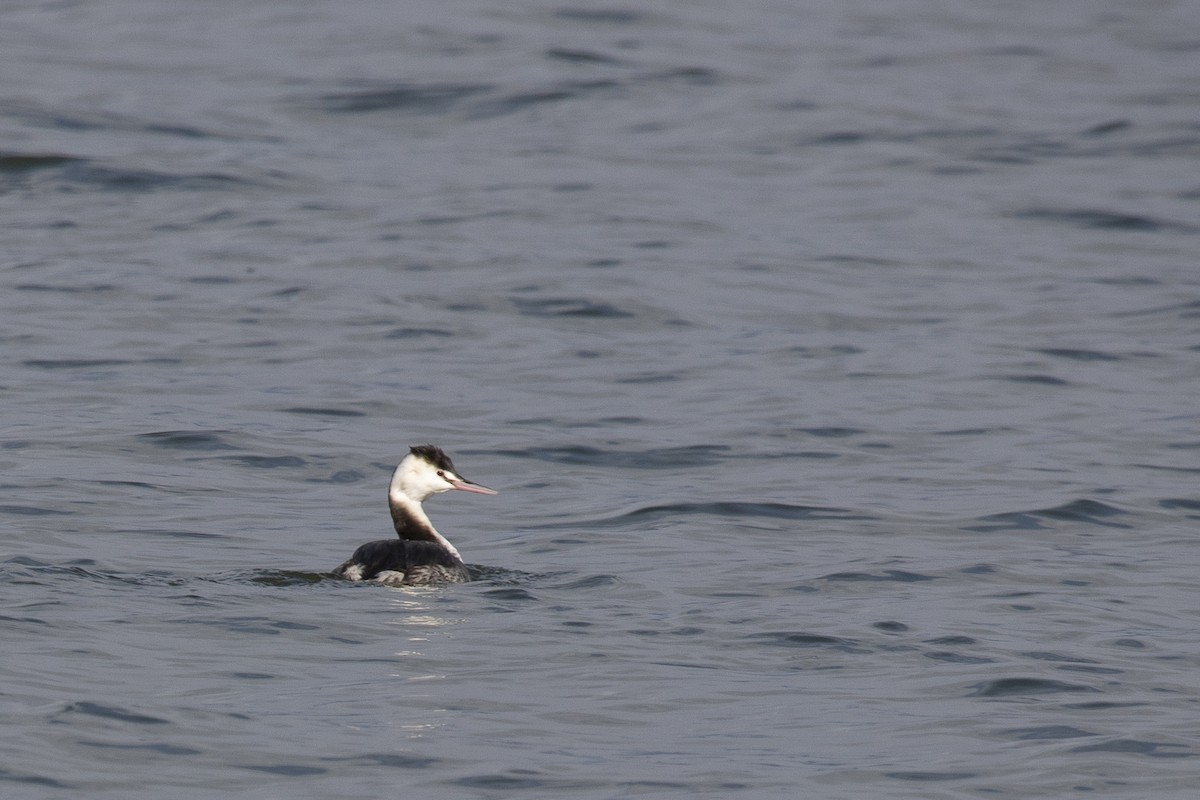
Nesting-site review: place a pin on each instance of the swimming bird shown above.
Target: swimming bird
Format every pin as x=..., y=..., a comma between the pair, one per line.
x=421, y=555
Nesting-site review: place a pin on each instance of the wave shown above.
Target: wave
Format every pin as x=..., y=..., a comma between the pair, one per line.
x=654, y=458
x=733, y=509
x=1090, y=512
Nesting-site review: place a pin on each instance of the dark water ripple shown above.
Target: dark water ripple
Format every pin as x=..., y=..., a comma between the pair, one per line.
x=1104, y=220
x=175, y=533
x=107, y=712
x=157, y=748
x=273, y=577
x=205, y=441
x=1182, y=503
x=520, y=595
x=654, y=458
x=955, y=657
x=114, y=179
x=1035, y=379
x=24, y=162
x=390, y=760
x=742, y=509
x=97, y=288
x=831, y=432
x=1048, y=732
x=602, y=16
x=268, y=462
x=324, y=412
x=422, y=99
x=418, y=333
x=1144, y=748
x=568, y=307
x=286, y=770
x=1074, y=354
x=72, y=173
x=43, y=116
x=36, y=780
x=27, y=570
x=898, y=575
x=92, y=363
x=32, y=511
x=1021, y=687
x=590, y=582
x=729, y=509
x=922, y=776
x=802, y=639
x=1085, y=510
x=482, y=101
x=582, y=56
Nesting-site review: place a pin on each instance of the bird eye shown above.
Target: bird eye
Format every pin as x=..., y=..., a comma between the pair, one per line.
x=441, y=473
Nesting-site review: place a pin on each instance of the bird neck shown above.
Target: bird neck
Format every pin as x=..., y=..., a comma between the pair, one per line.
x=411, y=522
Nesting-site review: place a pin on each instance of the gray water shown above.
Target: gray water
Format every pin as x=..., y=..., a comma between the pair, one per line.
x=837, y=364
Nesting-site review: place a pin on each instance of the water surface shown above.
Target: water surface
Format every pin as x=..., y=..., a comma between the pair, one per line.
x=836, y=363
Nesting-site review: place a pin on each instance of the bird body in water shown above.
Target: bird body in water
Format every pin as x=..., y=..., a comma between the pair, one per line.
x=421, y=555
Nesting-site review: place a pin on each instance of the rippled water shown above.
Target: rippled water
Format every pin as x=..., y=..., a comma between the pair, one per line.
x=837, y=365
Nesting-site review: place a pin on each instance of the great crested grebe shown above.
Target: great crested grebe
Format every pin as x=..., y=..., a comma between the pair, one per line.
x=421, y=555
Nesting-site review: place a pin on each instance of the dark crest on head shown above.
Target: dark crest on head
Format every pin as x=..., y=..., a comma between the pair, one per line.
x=434, y=455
